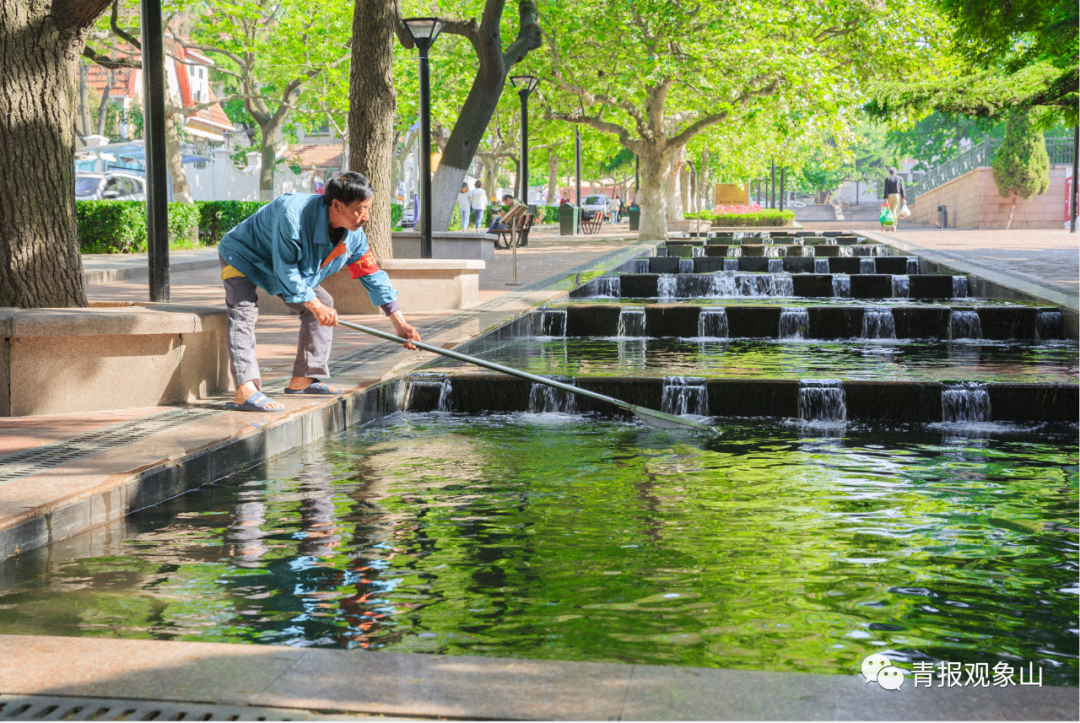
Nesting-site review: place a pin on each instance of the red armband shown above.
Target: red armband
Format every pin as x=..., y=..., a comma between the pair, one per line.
x=366, y=266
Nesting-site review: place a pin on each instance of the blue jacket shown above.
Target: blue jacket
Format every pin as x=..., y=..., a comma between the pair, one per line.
x=283, y=246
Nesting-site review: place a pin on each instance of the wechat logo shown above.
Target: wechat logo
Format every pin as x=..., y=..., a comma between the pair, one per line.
x=877, y=668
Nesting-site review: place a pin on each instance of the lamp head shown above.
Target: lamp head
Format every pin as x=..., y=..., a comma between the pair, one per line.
x=527, y=83
x=424, y=31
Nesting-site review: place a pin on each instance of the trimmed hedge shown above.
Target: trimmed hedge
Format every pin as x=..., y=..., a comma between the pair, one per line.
x=217, y=218
x=768, y=217
x=110, y=227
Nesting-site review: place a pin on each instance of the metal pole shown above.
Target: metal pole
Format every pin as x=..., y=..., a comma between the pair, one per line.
x=157, y=180
x=577, y=167
x=782, y=189
x=425, y=152
x=524, y=171
x=637, y=175
x=772, y=188
x=1076, y=169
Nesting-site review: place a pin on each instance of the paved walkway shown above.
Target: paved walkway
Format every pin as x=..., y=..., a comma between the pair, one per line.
x=467, y=687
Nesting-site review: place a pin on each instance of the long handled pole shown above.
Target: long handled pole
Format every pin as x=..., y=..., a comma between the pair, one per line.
x=651, y=416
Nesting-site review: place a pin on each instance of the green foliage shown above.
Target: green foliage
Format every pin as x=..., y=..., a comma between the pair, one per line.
x=217, y=218
x=764, y=217
x=396, y=212
x=936, y=138
x=109, y=227
x=1022, y=166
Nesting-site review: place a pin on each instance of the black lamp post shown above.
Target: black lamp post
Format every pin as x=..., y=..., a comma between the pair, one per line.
x=157, y=183
x=525, y=85
x=424, y=31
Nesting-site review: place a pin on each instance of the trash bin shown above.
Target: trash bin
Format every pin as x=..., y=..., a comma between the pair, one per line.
x=634, y=214
x=943, y=216
x=568, y=219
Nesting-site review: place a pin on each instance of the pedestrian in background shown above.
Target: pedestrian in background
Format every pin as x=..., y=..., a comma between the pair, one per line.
x=616, y=208
x=893, y=191
x=464, y=206
x=478, y=198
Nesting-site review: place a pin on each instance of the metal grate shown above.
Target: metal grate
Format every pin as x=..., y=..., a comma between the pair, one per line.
x=33, y=707
x=32, y=461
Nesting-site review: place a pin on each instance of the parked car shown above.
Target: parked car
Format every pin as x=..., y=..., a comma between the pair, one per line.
x=594, y=203
x=109, y=186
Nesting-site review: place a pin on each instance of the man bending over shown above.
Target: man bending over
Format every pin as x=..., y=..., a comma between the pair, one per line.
x=288, y=248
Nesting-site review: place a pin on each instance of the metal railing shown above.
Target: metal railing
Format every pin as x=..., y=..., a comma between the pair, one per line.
x=1060, y=151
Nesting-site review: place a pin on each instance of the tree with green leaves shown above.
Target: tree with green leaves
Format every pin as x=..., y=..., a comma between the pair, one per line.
x=1015, y=55
x=1021, y=166
x=656, y=74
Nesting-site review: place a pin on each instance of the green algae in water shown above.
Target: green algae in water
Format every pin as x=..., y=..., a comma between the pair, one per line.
x=545, y=536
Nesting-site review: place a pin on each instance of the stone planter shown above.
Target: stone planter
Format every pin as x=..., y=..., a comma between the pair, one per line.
x=691, y=226
x=55, y=361
x=424, y=285
x=445, y=245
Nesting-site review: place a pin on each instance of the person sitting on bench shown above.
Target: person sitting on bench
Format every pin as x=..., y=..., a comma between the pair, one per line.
x=496, y=218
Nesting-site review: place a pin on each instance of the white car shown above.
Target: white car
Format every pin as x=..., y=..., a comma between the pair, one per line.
x=110, y=186
x=595, y=202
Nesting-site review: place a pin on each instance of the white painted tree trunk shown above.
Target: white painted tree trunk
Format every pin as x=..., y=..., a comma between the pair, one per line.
x=674, y=188
x=651, y=197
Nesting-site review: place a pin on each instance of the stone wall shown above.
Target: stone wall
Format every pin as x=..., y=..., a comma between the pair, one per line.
x=973, y=201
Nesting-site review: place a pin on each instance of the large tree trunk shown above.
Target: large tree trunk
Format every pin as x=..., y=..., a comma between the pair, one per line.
x=651, y=197
x=1012, y=210
x=674, y=187
x=553, y=176
x=84, y=98
x=372, y=102
x=174, y=160
x=40, y=43
x=268, y=152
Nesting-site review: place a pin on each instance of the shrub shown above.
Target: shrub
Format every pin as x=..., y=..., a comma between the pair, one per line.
x=217, y=218
x=397, y=211
x=1021, y=166
x=766, y=217
x=109, y=227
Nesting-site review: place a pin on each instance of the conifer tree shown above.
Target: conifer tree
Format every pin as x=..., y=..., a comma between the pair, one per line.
x=1021, y=166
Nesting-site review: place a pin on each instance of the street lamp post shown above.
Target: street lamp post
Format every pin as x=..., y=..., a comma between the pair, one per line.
x=157, y=183
x=424, y=32
x=525, y=84
x=577, y=169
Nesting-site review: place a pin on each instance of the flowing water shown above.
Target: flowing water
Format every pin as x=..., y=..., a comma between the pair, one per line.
x=841, y=285
x=878, y=323
x=960, y=286
x=867, y=265
x=901, y=286
x=632, y=322
x=964, y=325
x=608, y=285
x=686, y=266
x=822, y=400
x=912, y=266
x=1050, y=325
x=641, y=266
x=544, y=399
x=794, y=322
x=965, y=402
x=731, y=264
x=713, y=324
x=821, y=266
x=684, y=395
x=782, y=548
x=553, y=322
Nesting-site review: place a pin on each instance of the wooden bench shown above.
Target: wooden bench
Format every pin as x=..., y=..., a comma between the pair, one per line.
x=523, y=224
x=592, y=223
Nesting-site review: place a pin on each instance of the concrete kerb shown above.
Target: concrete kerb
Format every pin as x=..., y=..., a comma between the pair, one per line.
x=474, y=687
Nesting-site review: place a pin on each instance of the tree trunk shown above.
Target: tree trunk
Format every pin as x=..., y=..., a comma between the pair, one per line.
x=553, y=176
x=84, y=98
x=651, y=197
x=174, y=161
x=268, y=161
x=690, y=189
x=40, y=265
x=372, y=103
x=491, y=177
x=1012, y=210
x=103, y=109
x=674, y=187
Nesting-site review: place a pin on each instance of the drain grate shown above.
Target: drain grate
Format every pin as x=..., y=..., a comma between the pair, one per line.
x=34, y=707
x=32, y=461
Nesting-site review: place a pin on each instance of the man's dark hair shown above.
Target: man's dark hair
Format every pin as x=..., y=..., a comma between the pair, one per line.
x=508, y=197
x=479, y=184
x=347, y=188
x=891, y=170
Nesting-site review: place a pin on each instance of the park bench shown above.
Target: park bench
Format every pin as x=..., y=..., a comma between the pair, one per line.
x=523, y=224
x=592, y=223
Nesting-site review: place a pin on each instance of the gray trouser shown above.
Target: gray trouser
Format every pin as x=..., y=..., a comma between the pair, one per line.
x=312, y=347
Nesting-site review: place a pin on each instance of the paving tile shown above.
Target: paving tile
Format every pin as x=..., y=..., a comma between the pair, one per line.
x=147, y=669
x=456, y=687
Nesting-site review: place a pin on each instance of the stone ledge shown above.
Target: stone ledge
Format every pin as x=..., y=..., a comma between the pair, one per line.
x=56, y=361
x=446, y=245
